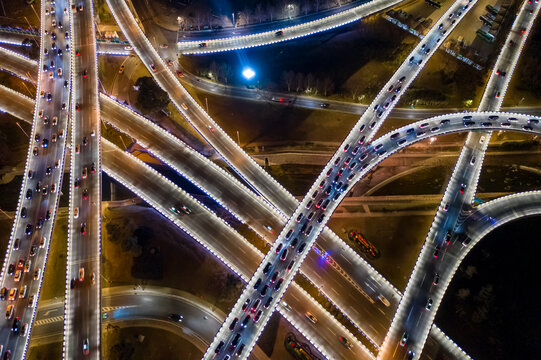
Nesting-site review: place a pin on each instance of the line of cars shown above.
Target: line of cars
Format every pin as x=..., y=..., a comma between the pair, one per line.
x=19, y=289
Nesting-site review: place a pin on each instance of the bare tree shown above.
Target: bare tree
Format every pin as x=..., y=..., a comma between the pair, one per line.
x=270, y=11
x=289, y=77
x=309, y=82
x=299, y=78
x=328, y=85
x=305, y=7
x=353, y=90
x=215, y=70
x=226, y=72
x=259, y=13
x=199, y=17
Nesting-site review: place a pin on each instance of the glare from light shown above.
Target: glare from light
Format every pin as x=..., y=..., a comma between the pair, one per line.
x=248, y=73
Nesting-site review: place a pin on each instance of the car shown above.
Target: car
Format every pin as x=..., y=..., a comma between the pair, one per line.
x=28, y=229
x=153, y=67
x=63, y=106
x=16, y=244
x=175, y=317
x=274, y=277
x=258, y=315
x=290, y=266
x=77, y=149
x=85, y=194
x=37, y=273
x=31, y=299
x=180, y=73
x=301, y=248
x=3, y=293
x=404, y=338
x=522, y=30
x=219, y=347
x=9, y=311
x=462, y=188
x=472, y=161
x=23, y=212
x=27, y=265
x=85, y=173
x=18, y=275
x=169, y=62
x=283, y=255
x=59, y=72
x=85, y=73
x=264, y=291
x=436, y=279
x=436, y=252
x=30, y=174
x=54, y=138
x=83, y=228
x=86, y=347
x=33, y=250
x=410, y=355
x=233, y=323
x=35, y=151
x=23, y=291
x=20, y=263
x=203, y=45
x=77, y=107
x=310, y=317
x=324, y=105
x=12, y=294
x=11, y=269
x=278, y=284
x=48, y=170
x=73, y=283
x=448, y=236
x=80, y=7
x=279, y=33
x=44, y=143
x=51, y=75
x=81, y=274
x=428, y=304
x=92, y=134
x=16, y=324
x=121, y=69
x=345, y=342
x=24, y=329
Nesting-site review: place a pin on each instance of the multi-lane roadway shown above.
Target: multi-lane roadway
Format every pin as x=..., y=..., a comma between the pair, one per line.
x=83, y=291
x=27, y=250
x=423, y=294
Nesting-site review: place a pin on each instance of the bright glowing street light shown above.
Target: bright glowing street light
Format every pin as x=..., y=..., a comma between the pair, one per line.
x=248, y=73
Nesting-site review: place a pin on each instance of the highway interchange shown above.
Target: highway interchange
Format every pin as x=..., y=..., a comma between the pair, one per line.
x=252, y=173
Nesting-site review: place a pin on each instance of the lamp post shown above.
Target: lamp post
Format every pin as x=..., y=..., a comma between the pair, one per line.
x=234, y=23
x=179, y=21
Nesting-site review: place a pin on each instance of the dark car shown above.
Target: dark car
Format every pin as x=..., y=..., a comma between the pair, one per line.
x=267, y=268
x=28, y=230
x=73, y=282
x=436, y=252
x=257, y=283
x=429, y=304
x=23, y=212
x=11, y=269
x=233, y=323
x=279, y=33
x=83, y=229
x=175, y=317
x=85, y=194
x=16, y=325
x=436, y=279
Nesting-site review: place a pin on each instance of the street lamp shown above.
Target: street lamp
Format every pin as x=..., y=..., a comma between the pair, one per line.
x=179, y=21
x=248, y=73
